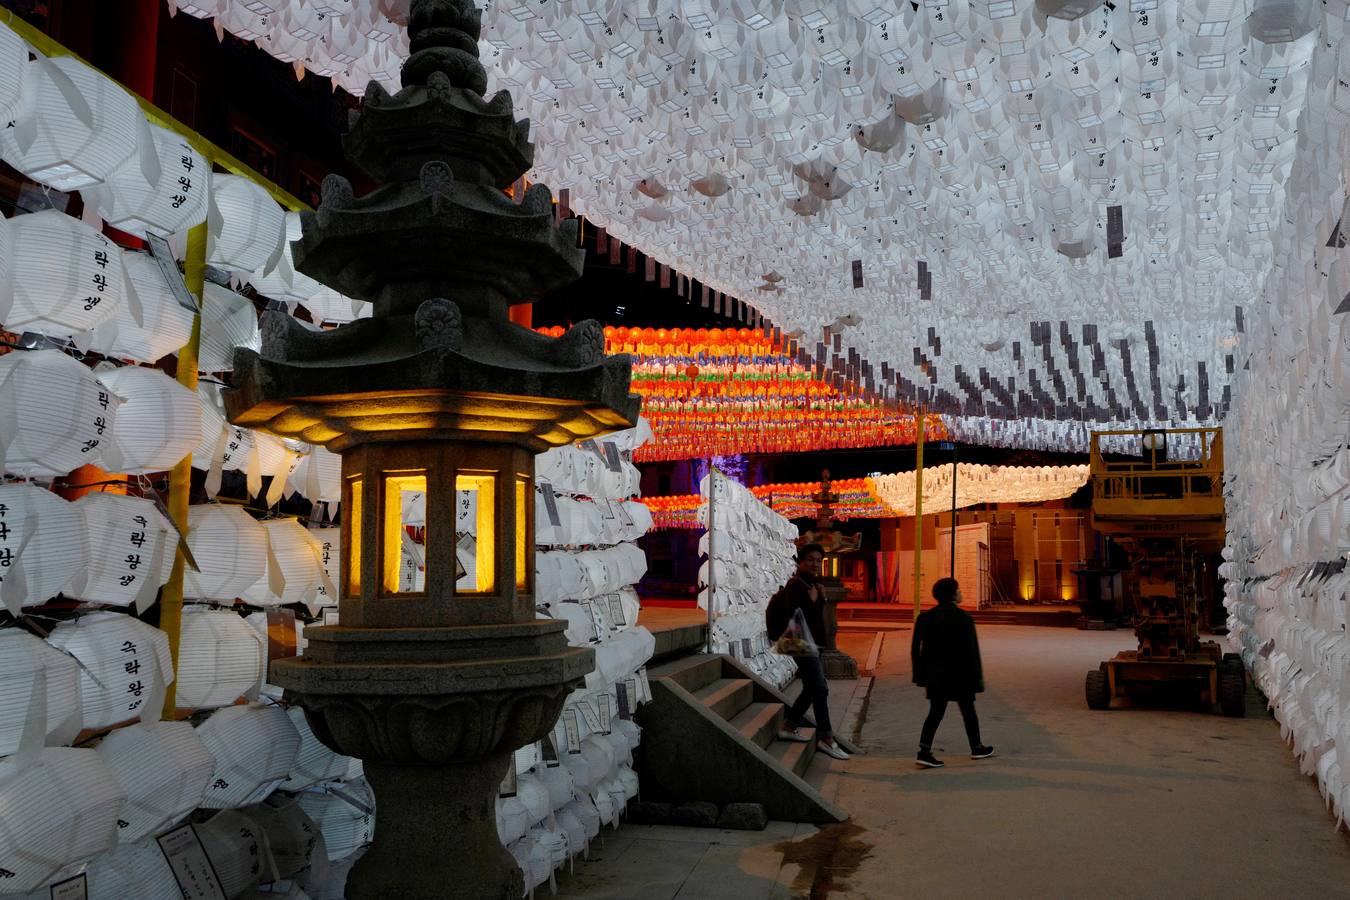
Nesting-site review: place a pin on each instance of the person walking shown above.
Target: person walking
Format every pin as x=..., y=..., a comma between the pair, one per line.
x=946, y=660
x=804, y=593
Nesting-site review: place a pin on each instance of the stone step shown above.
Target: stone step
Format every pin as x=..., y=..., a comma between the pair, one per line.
x=727, y=696
x=759, y=722
x=692, y=673
x=691, y=751
x=795, y=756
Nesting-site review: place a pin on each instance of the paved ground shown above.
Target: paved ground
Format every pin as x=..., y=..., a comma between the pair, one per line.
x=1123, y=803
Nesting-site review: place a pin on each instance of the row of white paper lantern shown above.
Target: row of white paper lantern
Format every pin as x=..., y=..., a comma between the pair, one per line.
x=976, y=484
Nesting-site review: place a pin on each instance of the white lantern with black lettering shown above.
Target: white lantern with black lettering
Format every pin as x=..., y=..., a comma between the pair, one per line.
x=255, y=747
x=164, y=768
x=164, y=324
x=54, y=415
x=294, y=566
x=124, y=666
x=81, y=127
x=158, y=423
x=57, y=809
x=43, y=545
x=230, y=548
x=228, y=321
x=39, y=693
x=345, y=813
x=315, y=762
x=66, y=277
x=131, y=550
x=220, y=659
x=163, y=195
x=137, y=870
x=245, y=225
x=15, y=100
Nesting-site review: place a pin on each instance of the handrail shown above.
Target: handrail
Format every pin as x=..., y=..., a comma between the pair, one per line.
x=48, y=46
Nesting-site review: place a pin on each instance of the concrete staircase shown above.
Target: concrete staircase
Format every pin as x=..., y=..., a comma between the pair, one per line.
x=710, y=733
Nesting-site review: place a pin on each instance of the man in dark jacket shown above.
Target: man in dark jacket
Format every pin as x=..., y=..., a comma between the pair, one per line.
x=946, y=657
x=803, y=592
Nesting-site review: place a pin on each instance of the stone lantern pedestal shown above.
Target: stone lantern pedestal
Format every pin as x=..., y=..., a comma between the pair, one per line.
x=438, y=396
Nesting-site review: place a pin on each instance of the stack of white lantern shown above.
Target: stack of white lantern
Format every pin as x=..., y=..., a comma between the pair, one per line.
x=587, y=519
x=976, y=484
x=748, y=550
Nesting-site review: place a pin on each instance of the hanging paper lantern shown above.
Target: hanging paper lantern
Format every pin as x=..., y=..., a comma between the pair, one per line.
x=255, y=748
x=294, y=570
x=158, y=422
x=346, y=814
x=318, y=475
x=54, y=414
x=165, y=324
x=315, y=762
x=124, y=666
x=57, y=809
x=131, y=550
x=43, y=545
x=163, y=767
x=245, y=225
x=15, y=100
x=66, y=276
x=236, y=848
x=30, y=670
x=80, y=128
x=163, y=194
x=137, y=870
x=228, y=321
x=230, y=548
x=220, y=659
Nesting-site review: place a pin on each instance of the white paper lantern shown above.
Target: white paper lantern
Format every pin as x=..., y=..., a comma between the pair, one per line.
x=124, y=666
x=57, y=809
x=39, y=693
x=346, y=814
x=164, y=195
x=165, y=324
x=54, y=414
x=15, y=101
x=66, y=276
x=245, y=225
x=237, y=848
x=43, y=545
x=220, y=659
x=315, y=762
x=163, y=767
x=228, y=321
x=80, y=128
x=318, y=475
x=230, y=548
x=294, y=566
x=158, y=423
x=255, y=748
x=131, y=550
x=137, y=870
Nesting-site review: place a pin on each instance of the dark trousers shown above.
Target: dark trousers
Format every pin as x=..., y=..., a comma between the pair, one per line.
x=815, y=694
x=937, y=706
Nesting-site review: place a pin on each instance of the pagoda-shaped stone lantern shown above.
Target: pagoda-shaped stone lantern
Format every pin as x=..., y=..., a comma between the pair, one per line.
x=438, y=393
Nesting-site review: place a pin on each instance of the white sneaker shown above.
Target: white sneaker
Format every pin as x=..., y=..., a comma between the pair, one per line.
x=832, y=749
x=788, y=733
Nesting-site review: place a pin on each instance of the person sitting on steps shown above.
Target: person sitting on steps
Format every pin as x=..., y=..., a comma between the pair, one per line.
x=946, y=659
x=804, y=592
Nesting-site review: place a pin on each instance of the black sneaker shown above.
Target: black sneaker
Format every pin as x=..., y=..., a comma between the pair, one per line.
x=982, y=752
x=926, y=760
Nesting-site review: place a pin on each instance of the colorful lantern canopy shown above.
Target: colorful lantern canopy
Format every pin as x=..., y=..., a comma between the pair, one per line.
x=713, y=392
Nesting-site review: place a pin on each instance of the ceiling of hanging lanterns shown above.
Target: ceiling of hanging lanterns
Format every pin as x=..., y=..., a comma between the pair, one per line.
x=1043, y=212
x=722, y=392
x=890, y=496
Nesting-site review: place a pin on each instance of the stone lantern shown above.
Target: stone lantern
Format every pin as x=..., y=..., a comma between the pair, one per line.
x=437, y=394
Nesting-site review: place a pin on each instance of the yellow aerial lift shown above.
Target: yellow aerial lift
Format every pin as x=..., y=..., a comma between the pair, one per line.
x=1164, y=510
